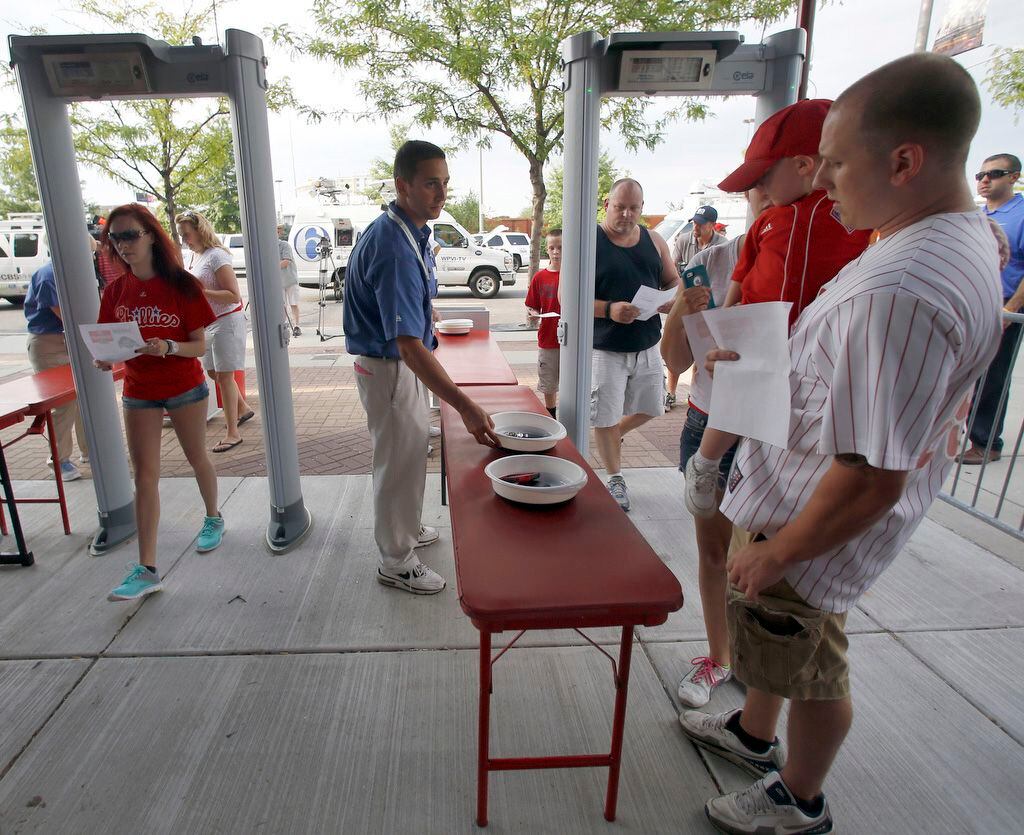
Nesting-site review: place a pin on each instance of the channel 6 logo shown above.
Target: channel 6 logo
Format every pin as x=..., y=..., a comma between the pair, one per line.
x=305, y=238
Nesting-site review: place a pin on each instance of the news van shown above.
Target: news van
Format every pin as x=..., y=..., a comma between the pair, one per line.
x=23, y=250
x=732, y=213
x=460, y=261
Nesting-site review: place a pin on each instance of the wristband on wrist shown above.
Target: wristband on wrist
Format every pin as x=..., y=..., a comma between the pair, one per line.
x=608, y=310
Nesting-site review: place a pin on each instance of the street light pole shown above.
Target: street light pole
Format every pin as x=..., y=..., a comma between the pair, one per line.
x=924, y=24
x=280, y=202
x=480, y=205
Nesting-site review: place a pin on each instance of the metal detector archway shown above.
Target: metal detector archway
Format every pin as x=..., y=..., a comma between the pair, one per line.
x=635, y=64
x=55, y=70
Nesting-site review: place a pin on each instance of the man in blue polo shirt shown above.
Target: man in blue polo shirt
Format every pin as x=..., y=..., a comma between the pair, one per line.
x=996, y=179
x=47, y=349
x=388, y=326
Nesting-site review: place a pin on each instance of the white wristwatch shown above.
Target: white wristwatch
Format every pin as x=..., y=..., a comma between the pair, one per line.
x=172, y=347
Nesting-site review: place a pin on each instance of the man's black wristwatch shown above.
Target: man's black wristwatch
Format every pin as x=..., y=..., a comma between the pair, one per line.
x=608, y=310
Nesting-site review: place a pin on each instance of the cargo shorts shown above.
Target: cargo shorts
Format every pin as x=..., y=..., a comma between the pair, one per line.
x=782, y=645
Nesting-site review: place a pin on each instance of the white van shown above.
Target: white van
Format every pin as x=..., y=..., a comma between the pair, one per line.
x=460, y=263
x=517, y=244
x=732, y=212
x=23, y=250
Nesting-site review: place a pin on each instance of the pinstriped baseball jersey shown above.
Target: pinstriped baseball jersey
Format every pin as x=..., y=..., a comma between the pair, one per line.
x=882, y=365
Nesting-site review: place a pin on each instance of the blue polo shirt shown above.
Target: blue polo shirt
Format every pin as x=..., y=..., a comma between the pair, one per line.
x=387, y=294
x=1011, y=217
x=41, y=296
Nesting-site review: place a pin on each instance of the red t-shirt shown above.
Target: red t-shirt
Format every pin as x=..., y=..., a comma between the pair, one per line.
x=160, y=311
x=543, y=296
x=791, y=251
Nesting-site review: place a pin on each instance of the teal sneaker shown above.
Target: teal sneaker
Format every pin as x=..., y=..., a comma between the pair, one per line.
x=139, y=582
x=211, y=534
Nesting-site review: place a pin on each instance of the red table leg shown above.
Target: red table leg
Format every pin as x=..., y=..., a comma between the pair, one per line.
x=618, y=721
x=56, y=473
x=483, y=743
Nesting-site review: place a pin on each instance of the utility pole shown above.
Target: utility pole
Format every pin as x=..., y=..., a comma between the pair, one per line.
x=480, y=205
x=924, y=25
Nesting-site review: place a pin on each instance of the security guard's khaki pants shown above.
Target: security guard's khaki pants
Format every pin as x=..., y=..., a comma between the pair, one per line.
x=396, y=415
x=49, y=350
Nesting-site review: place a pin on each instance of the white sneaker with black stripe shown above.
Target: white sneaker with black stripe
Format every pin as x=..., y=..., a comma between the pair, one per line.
x=709, y=731
x=427, y=536
x=415, y=578
x=767, y=806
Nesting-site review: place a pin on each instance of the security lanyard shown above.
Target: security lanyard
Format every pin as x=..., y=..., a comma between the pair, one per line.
x=412, y=241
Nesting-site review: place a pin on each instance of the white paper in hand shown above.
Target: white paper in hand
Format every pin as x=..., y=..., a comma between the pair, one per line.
x=112, y=341
x=751, y=397
x=649, y=300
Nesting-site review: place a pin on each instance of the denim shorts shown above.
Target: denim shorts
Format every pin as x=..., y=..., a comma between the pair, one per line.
x=689, y=443
x=186, y=398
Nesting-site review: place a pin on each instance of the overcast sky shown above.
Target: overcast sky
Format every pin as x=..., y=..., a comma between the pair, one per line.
x=851, y=38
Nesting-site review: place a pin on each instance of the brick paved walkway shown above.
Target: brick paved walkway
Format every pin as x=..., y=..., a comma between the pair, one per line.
x=331, y=430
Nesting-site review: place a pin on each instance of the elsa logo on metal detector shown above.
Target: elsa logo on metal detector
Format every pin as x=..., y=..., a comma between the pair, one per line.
x=305, y=240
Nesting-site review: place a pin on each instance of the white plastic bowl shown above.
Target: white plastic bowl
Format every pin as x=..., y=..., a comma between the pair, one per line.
x=454, y=327
x=571, y=478
x=532, y=423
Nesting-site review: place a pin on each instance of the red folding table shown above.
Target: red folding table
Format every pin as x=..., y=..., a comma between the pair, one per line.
x=572, y=566
x=38, y=395
x=473, y=359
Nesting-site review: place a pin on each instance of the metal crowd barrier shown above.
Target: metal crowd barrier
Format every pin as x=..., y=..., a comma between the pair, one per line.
x=989, y=501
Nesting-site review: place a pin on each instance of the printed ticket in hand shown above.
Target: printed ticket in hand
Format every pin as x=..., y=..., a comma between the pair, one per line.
x=112, y=341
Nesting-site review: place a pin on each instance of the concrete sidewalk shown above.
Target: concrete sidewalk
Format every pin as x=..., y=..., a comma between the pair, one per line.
x=293, y=694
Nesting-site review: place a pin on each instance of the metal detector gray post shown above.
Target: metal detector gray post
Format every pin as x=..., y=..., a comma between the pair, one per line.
x=784, y=57
x=53, y=70
x=640, y=64
x=53, y=153
x=579, y=234
x=247, y=83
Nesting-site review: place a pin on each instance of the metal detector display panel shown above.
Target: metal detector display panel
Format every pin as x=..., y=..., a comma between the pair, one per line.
x=96, y=74
x=666, y=71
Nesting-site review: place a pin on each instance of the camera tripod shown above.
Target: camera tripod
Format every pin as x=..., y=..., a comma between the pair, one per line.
x=326, y=268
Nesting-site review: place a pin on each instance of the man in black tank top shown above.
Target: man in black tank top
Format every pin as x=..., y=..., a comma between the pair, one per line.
x=627, y=384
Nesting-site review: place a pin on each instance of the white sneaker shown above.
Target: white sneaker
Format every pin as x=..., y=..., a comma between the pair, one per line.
x=617, y=487
x=704, y=676
x=766, y=806
x=69, y=472
x=434, y=432
x=415, y=579
x=430, y=450
x=427, y=536
x=709, y=731
x=83, y=459
x=701, y=491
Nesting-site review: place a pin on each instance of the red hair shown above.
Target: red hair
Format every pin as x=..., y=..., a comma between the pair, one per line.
x=167, y=261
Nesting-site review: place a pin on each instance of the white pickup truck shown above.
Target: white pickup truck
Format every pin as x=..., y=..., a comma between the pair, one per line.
x=460, y=262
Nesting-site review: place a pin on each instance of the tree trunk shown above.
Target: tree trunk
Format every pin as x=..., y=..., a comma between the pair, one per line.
x=540, y=195
x=171, y=205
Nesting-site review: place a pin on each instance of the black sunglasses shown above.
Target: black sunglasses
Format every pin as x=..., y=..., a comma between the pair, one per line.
x=127, y=235
x=994, y=174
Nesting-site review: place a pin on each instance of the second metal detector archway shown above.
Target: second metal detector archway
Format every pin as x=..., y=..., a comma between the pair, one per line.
x=55, y=70
x=635, y=64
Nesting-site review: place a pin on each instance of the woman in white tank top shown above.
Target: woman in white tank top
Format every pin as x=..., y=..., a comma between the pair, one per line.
x=225, y=338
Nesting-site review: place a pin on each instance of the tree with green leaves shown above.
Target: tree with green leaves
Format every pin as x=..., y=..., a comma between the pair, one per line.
x=465, y=209
x=482, y=67
x=606, y=175
x=1005, y=80
x=18, y=192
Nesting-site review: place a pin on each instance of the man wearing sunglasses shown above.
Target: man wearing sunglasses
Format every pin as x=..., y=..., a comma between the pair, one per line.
x=996, y=180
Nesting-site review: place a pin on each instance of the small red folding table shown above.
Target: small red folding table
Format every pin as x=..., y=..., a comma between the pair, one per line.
x=474, y=359
x=578, y=565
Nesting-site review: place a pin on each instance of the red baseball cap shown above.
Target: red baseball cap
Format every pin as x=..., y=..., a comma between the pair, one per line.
x=793, y=131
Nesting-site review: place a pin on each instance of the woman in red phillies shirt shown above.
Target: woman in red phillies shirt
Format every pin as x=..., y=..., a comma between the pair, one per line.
x=172, y=313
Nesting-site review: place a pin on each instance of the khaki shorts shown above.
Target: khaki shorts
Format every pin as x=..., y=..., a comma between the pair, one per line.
x=225, y=343
x=784, y=646
x=630, y=383
x=291, y=295
x=547, y=370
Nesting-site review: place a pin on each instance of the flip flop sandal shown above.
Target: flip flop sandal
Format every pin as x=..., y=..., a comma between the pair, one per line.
x=224, y=446
x=247, y=416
